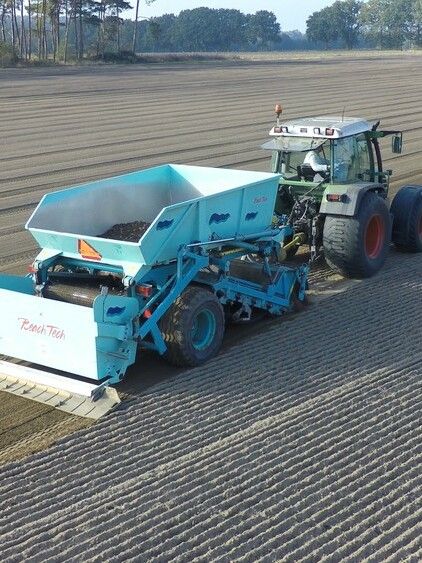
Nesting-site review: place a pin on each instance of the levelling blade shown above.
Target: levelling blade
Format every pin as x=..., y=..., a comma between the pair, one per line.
x=70, y=395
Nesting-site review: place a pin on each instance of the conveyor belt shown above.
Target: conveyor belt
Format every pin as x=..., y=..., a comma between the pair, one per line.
x=81, y=290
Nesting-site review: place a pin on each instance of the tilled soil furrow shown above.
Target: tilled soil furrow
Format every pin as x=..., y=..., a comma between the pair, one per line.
x=386, y=504
x=160, y=437
x=184, y=107
x=101, y=161
x=13, y=229
x=411, y=550
x=178, y=413
x=145, y=126
x=191, y=505
x=401, y=526
x=362, y=548
x=18, y=257
x=301, y=441
x=293, y=472
x=164, y=430
x=243, y=509
x=77, y=131
x=97, y=143
x=277, y=539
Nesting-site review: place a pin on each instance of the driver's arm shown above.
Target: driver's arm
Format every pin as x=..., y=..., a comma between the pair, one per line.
x=315, y=162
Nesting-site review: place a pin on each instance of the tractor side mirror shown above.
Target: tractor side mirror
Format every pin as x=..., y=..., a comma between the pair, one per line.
x=397, y=143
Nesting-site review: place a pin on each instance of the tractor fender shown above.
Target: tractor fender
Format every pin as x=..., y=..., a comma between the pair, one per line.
x=350, y=198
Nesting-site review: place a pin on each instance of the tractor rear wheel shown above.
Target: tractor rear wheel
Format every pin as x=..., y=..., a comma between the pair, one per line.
x=357, y=247
x=406, y=209
x=193, y=327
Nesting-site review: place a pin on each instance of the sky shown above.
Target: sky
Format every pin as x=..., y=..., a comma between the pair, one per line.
x=291, y=14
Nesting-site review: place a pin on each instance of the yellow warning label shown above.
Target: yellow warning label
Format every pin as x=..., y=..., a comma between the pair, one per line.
x=87, y=251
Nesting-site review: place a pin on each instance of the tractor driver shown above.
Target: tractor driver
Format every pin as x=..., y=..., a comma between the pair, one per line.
x=316, y=160
x=343, y=153
x=317, y=163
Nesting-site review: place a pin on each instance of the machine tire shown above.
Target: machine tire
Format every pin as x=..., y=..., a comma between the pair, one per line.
x=406, y=209
x=193, y=327
x=357, y=247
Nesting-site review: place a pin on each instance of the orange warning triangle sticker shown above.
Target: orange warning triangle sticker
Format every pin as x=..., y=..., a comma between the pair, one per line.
x=87, y=251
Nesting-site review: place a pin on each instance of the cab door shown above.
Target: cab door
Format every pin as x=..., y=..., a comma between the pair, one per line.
x=353, y=160
x=365, y=163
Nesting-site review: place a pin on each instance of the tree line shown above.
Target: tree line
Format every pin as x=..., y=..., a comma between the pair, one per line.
x=74, y=29
x=384, y=24
x=61, y=28
x=65, y=29
x=206, y=29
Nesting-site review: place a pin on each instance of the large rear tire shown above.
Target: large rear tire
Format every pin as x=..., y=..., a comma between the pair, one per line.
x=193, y=327
x=357, y=247
x=406, y=209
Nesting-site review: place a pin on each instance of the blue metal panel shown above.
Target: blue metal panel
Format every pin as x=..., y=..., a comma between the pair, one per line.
x=97, y=344
x=50, y=333
x=117, y=338
x=184, y=204
x=17, y=283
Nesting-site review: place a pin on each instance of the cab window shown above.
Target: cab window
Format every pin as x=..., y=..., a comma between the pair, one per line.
x=287, y=163
x=352, y=162
x=363, y=158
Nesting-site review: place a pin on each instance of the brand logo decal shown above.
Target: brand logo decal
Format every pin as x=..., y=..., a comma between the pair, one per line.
x=261, y=199
x=218, y=218
x=161, y=225
x=113, y=311
x=51, y=331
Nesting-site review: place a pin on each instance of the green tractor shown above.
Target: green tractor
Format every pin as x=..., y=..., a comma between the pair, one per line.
x=334, y=193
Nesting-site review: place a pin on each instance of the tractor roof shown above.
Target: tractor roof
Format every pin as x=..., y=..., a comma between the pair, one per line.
x=322, y=127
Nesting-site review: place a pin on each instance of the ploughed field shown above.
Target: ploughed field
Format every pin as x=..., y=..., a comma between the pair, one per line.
x=302, y=439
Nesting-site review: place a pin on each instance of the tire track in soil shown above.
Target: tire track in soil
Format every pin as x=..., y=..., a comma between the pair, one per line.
x=198, y=453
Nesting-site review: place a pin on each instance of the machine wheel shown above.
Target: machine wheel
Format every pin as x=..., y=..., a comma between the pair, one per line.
x=407, y=219
x=357, y=246
x=193, y=327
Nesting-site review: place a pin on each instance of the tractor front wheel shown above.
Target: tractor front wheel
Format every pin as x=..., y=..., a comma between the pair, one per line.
x=357, y=247
x=406, y=209
x=193, y=327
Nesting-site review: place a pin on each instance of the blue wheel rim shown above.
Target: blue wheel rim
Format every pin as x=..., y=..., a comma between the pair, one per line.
x=203, y=329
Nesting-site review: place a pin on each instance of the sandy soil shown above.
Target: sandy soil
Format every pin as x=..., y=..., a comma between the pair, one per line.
x=265, y=453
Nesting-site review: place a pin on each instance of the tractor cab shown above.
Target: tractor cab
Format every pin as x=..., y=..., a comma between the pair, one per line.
x=338, y=158
x=315, y=153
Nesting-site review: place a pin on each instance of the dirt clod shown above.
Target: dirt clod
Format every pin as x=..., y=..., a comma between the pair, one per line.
x=129, y=232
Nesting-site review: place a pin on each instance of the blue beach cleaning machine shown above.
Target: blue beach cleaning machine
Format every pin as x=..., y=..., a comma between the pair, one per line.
x=148, y=260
